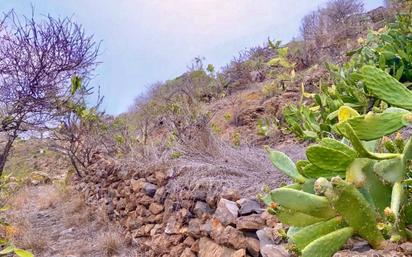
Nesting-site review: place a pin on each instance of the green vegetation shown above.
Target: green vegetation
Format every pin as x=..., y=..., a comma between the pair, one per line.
x=358, y=86
x=369, y=190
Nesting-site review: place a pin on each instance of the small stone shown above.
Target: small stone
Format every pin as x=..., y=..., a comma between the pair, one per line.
x=233, y=237
x=208, y=248
x=226, y=212
x=137, y=185
x=188, y=253
x=251, y=222
x=248, y=206
x=189, y=241
x=143, y=230
x=253, y=246
x=231, y=194
x=239, y=253
x=407, y=248
x=172, y=226
x=201, y=208
x=155, y=208
x=274, y=251
x=194, y=228
x=150, y=189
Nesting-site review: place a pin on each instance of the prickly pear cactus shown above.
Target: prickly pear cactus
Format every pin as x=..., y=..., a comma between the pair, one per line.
x=346, y=187
x=385, y=87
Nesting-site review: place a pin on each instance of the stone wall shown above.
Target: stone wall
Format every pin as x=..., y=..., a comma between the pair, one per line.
x=194, y=224
x=167, y=225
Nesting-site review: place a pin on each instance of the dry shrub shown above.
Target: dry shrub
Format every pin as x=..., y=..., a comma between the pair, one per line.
x=50, y=200
x=19, y=200
x=31, y=240
x=110, y=243
x=77, y=204
x=25, y=236
x=211, y=165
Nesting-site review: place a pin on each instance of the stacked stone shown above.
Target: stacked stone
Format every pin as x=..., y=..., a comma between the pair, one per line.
x=199, y=225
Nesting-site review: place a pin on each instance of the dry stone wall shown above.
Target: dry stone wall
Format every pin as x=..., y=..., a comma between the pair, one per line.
x=201, y=224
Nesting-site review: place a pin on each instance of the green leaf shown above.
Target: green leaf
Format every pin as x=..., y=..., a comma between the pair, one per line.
x=23, y=253
x=285, y=165
x=7, y=250
x=76, y=84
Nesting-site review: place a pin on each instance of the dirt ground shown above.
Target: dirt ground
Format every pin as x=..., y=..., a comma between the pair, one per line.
x=56, y=223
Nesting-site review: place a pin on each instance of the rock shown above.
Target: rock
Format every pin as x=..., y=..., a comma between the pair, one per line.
x=206, y=228
x=194, y=228
x=357, y=244
x=177, y=250
x=231, y=194
x=156, y=230
x=155, y=208
x=149, y=189
x=208, y=248
x=216, y=229
x=144, y=199
x=226, y=212
x=202, y=208
x=189, y=241
x=172, y=226
x=143, y=230
x=211, y=199
x=251, y=222
x=137, y=185
x=159, y=196
x=407, y=248
x=239, y=253
x=269, y=235
x=248, y=206
x=159, y=243
x=274, y=251
x=233, y=237
x=253, y=246
x=271, y=220
x=188, y=253
x=160, y=177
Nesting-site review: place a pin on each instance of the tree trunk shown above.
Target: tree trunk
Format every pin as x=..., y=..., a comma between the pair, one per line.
x=5, y=153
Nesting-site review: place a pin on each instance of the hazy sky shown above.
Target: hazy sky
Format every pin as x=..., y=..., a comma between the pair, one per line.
x=145, y=41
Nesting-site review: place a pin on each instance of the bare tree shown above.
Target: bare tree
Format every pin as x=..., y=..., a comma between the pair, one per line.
x=37, y=62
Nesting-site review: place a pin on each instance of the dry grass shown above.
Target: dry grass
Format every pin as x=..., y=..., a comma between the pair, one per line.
x=25, y=236
x=33, y=241
x=19, y=200
x=50, y=200
x=110, y=243
x=77, y=204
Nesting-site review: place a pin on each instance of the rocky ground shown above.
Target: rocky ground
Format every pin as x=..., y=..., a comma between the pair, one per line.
x=55, y=223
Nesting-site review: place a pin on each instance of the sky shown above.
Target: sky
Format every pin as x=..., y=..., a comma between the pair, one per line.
x=146, y=41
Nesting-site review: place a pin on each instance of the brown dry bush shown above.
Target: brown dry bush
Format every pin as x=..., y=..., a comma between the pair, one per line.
x=110, y=243
x=211, y=165
x=325, y=32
